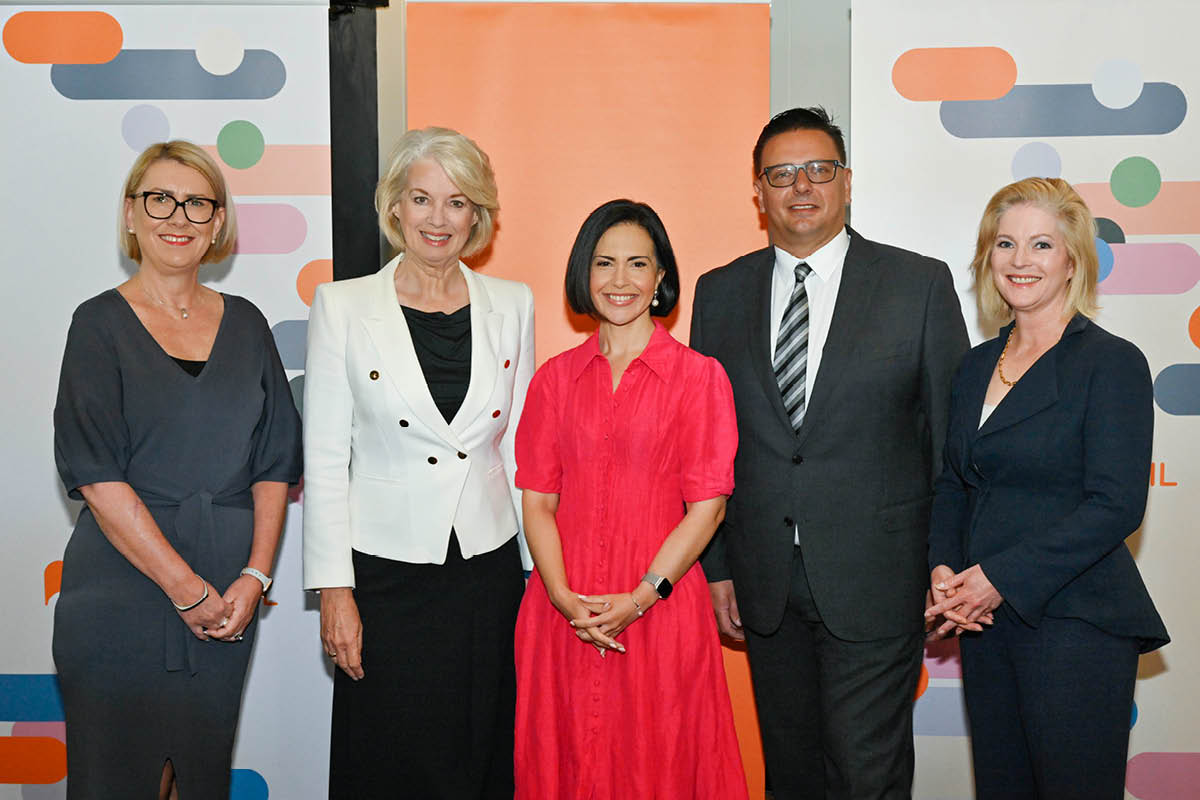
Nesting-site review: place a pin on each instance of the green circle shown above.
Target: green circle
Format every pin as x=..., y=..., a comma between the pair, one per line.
x=241, y=144
x=1135, y=181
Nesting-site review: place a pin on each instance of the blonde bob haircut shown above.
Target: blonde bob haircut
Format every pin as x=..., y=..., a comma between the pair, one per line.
x=465, y=164
x=192, y=156
x=1078, y=228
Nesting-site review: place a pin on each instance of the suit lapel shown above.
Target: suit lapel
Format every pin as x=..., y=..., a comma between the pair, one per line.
x=1036, y=390
x=859, y=280
x=389, y=333
x=760, y=334
x=486, y=326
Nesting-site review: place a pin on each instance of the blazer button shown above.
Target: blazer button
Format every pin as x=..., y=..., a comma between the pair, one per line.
x=374, y=374
x=432, y=459
x=495, y=413
x=797, y=458
x=403, y=423
x=788, y=521
x=462, y=455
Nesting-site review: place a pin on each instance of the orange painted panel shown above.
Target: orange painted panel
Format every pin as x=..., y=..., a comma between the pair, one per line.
x=63, y=37
x=954, y=73
x=581, y=103
x=52, y=579
x=290, y=169
x=745, y=716
x=1174, y=210
x=32, y=759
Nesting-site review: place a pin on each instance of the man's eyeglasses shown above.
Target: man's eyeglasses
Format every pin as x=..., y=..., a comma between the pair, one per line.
x=161, y=205
x=822, y=170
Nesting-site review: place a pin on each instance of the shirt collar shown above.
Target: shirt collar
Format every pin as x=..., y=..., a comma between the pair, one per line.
x=656, y=356
x=824, y=261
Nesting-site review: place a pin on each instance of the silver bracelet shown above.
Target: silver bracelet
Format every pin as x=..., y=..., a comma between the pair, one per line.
x=636, y=604
x=203, y=597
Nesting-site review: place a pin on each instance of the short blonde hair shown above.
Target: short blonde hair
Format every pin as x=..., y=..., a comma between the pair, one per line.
x=189, y=155
x=1057, y=197
x=468, y=168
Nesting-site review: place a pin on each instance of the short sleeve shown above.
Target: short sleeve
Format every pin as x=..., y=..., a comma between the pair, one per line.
x=91, y=439
x=277, y=450
x=539, y=460
x=707, y=435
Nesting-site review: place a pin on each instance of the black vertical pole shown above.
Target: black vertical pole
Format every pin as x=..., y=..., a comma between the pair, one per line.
x=354, y=140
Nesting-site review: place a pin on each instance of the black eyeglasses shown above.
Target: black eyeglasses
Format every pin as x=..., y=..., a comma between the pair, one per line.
x=161, y=205
x=822, y=170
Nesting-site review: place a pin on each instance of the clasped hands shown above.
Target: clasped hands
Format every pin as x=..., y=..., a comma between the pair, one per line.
x=959, y=602
x=224, y=616
x=599, y=618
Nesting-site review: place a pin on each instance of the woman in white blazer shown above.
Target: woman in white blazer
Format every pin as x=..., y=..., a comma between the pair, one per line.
x=414, y=384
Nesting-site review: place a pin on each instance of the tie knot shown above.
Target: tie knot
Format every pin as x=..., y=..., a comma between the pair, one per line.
x=802, y=271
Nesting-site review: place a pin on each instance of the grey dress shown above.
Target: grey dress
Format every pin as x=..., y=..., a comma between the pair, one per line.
x=138, y=688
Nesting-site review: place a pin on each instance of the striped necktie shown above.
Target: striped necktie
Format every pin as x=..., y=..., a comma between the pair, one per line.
x=791, y=349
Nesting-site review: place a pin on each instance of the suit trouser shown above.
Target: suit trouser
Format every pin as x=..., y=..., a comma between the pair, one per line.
x=836, y=716
x=1049, y=708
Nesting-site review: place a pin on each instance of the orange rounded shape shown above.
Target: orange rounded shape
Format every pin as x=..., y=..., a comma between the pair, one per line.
x=922, y=683
x=1194, y=327
x=32, y=759
x=63, y=37
x=954, y=73
x=312, y=275
x=52, y=579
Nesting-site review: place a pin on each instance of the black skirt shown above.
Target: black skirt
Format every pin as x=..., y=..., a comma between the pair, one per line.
x=433, y=715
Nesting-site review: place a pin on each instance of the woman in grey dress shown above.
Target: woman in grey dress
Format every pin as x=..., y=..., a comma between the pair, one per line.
x=175, y=425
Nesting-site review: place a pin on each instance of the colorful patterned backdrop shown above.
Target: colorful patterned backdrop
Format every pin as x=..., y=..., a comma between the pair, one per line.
x=952, y=100
x=84, y=89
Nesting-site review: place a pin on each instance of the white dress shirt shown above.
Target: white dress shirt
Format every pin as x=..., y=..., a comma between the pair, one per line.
x=822, y=286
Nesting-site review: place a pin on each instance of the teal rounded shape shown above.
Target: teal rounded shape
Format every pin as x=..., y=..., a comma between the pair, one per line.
x=1133, y=715
x=1135, y=181
x=241, y=144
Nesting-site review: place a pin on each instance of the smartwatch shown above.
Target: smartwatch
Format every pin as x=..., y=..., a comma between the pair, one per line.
x=259, y=576
x=661, y=585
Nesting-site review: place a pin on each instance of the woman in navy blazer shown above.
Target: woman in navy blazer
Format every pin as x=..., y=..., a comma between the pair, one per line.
x=415, y=380
x=1046, y=466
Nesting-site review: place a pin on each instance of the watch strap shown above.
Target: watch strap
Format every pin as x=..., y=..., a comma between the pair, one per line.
x=260, y=576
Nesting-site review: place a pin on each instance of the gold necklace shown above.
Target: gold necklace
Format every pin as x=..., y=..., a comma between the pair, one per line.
x=1000, y=363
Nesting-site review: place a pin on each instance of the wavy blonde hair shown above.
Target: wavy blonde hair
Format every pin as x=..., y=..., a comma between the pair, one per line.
x=1075, y=222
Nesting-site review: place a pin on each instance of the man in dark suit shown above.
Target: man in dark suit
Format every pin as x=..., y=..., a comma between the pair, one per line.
x=841, y=352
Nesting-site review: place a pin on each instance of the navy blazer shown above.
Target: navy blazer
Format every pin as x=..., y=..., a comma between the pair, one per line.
x=1044, y=494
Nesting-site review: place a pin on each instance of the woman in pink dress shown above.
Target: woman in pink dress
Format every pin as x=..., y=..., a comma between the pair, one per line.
x=625, y=455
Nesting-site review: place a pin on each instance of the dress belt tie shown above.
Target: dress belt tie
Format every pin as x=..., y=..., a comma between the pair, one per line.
x=195, y=541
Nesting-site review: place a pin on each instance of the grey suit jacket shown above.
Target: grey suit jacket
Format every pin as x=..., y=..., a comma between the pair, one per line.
x=856, y=480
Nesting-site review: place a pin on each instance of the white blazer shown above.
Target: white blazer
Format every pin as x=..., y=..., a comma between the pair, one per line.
x=384, y=473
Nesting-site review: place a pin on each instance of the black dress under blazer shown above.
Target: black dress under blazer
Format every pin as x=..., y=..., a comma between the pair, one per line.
x=1044, y=494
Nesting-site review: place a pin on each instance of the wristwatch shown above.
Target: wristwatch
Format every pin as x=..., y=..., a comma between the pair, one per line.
x=261, y=577
x=661, y=585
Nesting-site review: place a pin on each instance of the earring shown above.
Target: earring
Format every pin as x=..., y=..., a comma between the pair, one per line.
x=654, y=302
x=214, y=240
x=129, y=230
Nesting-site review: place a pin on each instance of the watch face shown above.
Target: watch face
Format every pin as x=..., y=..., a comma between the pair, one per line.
x=664, y=588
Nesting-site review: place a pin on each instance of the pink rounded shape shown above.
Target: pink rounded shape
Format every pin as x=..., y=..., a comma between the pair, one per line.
x=51, y=730
x=1163, y=776
x=269, y=228
x=942, y=659
x=1152, y=268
